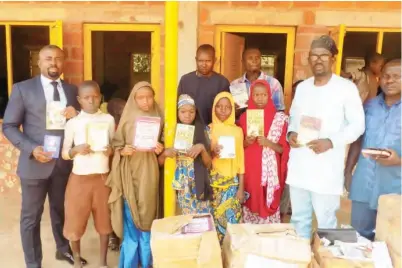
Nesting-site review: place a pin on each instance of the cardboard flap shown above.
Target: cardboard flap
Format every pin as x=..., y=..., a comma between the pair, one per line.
x=170, y=225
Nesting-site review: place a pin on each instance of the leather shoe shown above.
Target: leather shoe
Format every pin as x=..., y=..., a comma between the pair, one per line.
x=68, y=256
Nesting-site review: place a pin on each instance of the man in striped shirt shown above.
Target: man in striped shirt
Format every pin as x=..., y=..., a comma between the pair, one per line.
x=252, y=63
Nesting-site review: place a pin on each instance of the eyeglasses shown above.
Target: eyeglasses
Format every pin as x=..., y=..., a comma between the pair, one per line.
x=387, y=77
x=322, y=57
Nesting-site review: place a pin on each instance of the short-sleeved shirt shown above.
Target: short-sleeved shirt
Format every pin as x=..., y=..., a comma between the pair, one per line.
x=383, y=131
x=276, y=89
x=203, y=90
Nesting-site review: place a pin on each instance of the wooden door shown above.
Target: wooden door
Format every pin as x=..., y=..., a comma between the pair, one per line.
x=231, y=59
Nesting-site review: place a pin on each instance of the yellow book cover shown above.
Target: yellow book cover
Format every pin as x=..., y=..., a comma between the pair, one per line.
x=97, y=136
x=184, y=137
x=255, y=123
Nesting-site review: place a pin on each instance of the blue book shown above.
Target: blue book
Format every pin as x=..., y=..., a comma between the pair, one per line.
x=52, y=145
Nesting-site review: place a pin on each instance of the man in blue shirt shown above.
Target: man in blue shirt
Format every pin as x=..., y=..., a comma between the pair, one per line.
x=375, y=176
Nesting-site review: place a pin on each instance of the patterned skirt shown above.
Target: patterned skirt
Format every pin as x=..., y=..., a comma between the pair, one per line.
x=226, y=207
x=250, y=217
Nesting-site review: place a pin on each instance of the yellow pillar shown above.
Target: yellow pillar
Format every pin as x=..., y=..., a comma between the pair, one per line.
x=171, y=72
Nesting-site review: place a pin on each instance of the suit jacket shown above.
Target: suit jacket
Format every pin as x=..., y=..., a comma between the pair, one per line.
x=27, y=108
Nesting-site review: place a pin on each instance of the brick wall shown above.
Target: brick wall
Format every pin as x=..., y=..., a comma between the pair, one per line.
x=311, y=19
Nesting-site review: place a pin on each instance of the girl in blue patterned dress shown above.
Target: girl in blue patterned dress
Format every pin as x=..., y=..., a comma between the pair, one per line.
x=191, y=179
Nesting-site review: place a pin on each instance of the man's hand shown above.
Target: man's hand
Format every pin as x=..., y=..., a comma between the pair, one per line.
x=108, y=151
x=41, y=156
x=392, y=160
x=293, y=140
x=170, y=152
x=159, y=148
x=195, y=150
x=69, y=112
x=128, y=150
x=320, y=146
x=348, y=180
x=264, y=142
x=249, y=140
x=82, y=149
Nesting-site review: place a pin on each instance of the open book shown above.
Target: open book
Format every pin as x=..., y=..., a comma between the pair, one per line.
x=184, y=137
x=146, y=133
x=97, y=135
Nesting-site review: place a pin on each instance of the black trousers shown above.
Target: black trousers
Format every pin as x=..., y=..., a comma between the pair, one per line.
x=34, y=192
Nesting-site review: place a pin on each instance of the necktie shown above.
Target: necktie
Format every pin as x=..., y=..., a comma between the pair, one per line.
x=56, y=95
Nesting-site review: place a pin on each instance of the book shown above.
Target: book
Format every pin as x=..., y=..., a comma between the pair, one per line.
x=380, y=153
x=54, y=117
x=229, y=147
x=255, y=123
x=198, y=225
x=52, y=144
x=97, y=136
x=184, y=137
x=309, y=129
x=146, y=133
x=240, y=94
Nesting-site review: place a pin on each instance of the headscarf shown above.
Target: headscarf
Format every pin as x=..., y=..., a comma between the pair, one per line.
x=256, y=169
x=326, y=42
x=134, y=178
x=227, y=167
x=201, y=174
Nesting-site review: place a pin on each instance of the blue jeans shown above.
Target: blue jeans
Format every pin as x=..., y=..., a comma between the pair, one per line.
x=304, y=202
x=364, y=219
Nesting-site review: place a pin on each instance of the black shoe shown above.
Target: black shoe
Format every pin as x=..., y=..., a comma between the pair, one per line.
x=68, y=256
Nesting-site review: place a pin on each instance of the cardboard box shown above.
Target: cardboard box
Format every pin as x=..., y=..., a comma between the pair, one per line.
x=182, y=242
x=388, y=226
x=265, y=245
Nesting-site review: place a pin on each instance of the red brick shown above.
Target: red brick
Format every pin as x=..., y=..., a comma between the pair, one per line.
x=303, y=42
x=213, y=3
x=245, y=3
x=301, y=58
x=72, y=38
x=203, y=15
x=306, y=4
x=372, y=5
x=309, y=17
x=277, y=4
x=338, y=4
x=72, y=27
x=77, y=53
x=302, y=29
x=74, y=67
x=75, y=80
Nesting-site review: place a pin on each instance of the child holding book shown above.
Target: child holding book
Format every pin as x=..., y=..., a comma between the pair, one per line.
x=86, y=191
x=191, y=179
x=227, y=174
x=134, y=179
x=265, y=158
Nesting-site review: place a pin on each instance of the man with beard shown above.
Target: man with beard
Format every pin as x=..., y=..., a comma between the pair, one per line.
x=326, y=115
x=42, y=173
x=252, y=63
x=374, y=175
x=204, y=84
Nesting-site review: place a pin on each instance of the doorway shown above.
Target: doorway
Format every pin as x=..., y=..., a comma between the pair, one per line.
x=277, y=49
x=20, y=43
x=117, y=56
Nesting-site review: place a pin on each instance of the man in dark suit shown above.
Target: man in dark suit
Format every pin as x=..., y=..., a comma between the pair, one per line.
x=40, y=174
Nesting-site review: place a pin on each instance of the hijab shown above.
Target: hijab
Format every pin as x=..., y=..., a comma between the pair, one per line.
x=133, y=178
x=227, y=167
x=201, y=174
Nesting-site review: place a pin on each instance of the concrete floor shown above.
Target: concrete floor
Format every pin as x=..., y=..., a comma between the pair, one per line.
x=10, y=243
